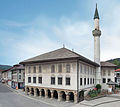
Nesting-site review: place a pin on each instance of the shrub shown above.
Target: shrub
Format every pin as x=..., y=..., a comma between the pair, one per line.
x=93, y=93
x=99, y=91
x=98, y=86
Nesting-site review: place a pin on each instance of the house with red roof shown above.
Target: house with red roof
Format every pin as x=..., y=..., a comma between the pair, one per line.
x=117, y=76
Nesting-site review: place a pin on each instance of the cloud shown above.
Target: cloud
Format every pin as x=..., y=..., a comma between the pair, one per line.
x=111, y=33
x=9, y=23
x=44, y=34
x=72, y=31
x=38, y=38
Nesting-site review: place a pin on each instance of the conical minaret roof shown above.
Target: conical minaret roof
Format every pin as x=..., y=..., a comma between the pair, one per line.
x=96, y=15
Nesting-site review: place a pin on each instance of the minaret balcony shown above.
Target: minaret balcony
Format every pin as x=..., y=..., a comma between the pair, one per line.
x=96, y=32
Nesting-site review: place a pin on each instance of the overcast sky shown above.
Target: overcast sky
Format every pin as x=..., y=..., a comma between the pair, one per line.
x=32, y=27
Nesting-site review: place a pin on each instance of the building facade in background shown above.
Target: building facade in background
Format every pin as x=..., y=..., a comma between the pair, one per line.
x=18, y=76
x=117, y=76
x=14, y=76
x=7, y=77
x=108, y=73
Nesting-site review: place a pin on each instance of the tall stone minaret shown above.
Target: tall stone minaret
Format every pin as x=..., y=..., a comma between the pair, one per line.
x=96, y=33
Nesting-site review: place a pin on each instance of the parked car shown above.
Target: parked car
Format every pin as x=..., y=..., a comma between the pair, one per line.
x=3, y=81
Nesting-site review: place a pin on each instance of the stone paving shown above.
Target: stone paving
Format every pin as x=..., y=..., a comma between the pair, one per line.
x=53, y=102
x=109, y=101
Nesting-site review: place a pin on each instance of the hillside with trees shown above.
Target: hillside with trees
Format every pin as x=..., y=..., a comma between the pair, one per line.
x=4, y=67
x=115, y=61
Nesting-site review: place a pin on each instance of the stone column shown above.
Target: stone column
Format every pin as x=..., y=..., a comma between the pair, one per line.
x=75, y=98
x=52, y=94
x=59, y=96
x=67, y=97
x=30, y=93
x=46, y=93
x=40, y=92
x=26, y=91
x=35, y=92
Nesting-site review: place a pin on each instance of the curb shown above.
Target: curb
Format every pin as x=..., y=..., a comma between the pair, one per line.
x=106, y=102
x=101, y=103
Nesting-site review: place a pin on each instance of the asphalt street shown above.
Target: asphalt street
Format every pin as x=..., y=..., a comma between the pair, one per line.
x=12, y=99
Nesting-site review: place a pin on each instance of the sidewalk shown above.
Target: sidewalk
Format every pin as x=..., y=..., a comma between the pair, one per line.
x=100, y=101
x=110, y=99
x=92, y=103
x=52, y=102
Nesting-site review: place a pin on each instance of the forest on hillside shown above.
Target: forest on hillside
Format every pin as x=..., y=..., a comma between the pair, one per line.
x=4, y=67
x=115, y=61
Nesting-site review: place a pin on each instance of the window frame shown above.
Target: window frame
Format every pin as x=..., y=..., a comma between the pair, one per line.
x=53, y=69
x=109, y=73
x=84, y=81
x=59, y=80
x=88, y=81
x=93, y=80
x=29, y=79
x=109, y=79
x=29, y=69
x=68, y=67
x=20, y=77
x=40, y=69
x=40, y=80
x=52, y=80
x=34, y=80
x=67, y=83
x=34, y=69
x=104, y=80
x=80, y=81
x=60, y=68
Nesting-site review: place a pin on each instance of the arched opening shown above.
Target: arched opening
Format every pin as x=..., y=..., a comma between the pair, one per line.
x=38, y=93
x=55, y=94
x=49, y=93
x=43, y=92
x=32, y=91
x=63, y=95
x=27, y=90
x=71, y=94
x=81, y=95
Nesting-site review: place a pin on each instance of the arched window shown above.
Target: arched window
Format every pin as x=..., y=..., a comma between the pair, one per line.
x=59, y=80
x=67, y=80
x=40, y=80
x=52, y=80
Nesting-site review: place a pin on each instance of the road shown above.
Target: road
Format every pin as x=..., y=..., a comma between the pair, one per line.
x=12, y=99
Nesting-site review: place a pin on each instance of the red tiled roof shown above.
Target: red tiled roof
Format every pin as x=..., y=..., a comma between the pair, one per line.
x=117, y=70
x=1, y=70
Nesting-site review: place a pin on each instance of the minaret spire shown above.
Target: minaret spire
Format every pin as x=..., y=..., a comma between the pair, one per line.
x=96, y=18
x=96, y=15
